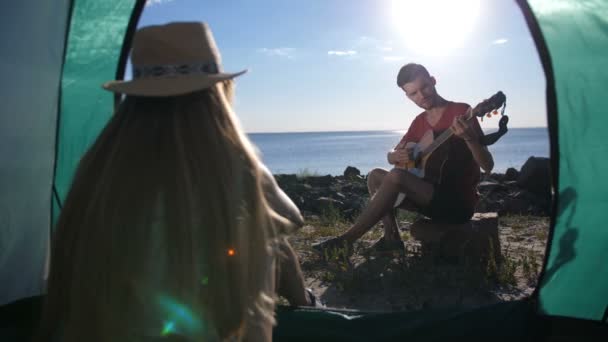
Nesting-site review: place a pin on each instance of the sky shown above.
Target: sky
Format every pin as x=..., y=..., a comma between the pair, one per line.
x=331, y=65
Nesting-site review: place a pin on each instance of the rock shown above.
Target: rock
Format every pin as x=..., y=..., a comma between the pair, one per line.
x=304, y=187
x=340, y=196
x=535, y=176
x=484, y=205
x=356, y=187
x=286, y=179
x=511, y=174
x=324, y=203
x=354, y=206
x=515, y=192
x=488, y=186
x=524, y=203
x=492, y=177
x=349, y=213
x=320, y=181
x=474, y=240
x=351, y=172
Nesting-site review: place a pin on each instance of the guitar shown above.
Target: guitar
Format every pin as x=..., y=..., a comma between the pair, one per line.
x=427, y=159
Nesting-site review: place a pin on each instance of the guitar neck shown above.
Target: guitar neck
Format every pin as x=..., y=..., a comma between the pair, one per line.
x=443, y=137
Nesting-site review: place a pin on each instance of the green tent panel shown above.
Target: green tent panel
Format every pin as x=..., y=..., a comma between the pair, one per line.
x=97, y=31
x=575, y=281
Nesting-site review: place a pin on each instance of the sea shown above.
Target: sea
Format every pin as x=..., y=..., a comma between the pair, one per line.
x=329, y=153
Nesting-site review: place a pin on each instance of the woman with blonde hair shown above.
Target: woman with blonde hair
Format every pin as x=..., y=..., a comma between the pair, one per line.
x=172, y=226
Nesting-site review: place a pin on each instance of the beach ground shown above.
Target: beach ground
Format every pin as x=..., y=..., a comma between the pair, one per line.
x=418, y=279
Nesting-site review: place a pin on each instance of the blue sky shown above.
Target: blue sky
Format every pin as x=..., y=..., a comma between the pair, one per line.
x=331, y=65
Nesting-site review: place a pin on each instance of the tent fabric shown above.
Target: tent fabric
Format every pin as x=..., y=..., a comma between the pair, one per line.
x=94, y=44
x=32, y=34
x=511, y=321
x=575, y=279
x=508, y=321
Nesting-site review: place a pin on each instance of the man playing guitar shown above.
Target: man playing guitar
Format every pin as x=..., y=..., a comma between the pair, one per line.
x=452, y=197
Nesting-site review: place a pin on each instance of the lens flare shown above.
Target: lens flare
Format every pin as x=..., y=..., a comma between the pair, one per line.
x=168, y=328
x=434, y=27
x=179, y=318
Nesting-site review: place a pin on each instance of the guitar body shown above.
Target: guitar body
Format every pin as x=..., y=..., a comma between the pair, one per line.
x=433, y=166
x=428, y=167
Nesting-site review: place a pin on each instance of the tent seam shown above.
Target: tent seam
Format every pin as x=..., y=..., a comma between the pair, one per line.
x=58, y=119
x=552, y=123
x=126, y=45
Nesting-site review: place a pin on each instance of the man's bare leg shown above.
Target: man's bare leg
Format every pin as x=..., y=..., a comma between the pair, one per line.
x=394, y=182
x=374, y=180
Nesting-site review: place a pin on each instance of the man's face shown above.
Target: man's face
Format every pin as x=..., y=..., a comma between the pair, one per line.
x=421, y=91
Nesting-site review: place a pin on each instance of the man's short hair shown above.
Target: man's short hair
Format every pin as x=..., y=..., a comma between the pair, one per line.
x=410, y=72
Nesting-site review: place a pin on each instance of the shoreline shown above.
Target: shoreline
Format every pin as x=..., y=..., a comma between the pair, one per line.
x=371, y=130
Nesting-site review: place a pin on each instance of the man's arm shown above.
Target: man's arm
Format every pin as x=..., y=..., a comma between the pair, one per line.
x=471, y=134
x=399, y=155
x=482, y=156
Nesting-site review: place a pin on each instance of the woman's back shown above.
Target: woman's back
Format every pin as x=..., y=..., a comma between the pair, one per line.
x=165, y=229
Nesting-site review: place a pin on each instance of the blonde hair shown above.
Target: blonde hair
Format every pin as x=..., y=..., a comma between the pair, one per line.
x=165, y=227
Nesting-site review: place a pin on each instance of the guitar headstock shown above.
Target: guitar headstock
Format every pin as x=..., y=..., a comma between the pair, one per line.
x=493, y=103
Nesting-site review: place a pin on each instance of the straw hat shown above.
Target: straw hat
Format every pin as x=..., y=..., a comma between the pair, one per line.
x=172, y=59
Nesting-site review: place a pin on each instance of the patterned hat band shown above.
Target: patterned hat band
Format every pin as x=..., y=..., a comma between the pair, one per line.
x=174, y=70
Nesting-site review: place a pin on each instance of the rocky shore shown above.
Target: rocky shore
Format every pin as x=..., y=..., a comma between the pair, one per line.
x=517, y=192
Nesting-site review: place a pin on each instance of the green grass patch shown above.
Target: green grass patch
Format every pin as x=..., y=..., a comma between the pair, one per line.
x=374, y=234
x=406, y=215
x=517, y=222
x=331, y=216
x=305, y=173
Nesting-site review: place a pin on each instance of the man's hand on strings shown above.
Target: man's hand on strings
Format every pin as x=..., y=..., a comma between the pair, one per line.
x=464, y=129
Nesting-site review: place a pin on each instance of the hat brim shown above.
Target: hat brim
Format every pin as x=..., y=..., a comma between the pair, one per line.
x=168, y=85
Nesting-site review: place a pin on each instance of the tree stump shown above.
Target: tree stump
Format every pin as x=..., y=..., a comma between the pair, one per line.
x=475, y=240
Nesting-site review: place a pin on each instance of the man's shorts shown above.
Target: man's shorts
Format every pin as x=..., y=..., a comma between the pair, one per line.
x=445, y=206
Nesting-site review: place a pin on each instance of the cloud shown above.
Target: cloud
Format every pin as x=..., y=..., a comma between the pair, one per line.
x=156, y=2
x=366, y=47
x=500, y=41
x=342, y=53
x=366, y=41
x=393, y=58
x=371, y=44
x=278, y=52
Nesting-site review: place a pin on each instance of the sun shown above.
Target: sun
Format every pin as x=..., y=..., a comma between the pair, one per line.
x=434, y=27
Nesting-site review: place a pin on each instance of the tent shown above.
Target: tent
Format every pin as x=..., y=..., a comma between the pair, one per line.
x=56, y=54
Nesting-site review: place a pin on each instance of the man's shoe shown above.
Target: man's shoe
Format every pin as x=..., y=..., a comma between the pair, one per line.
x=313, y=300
x=387, y=247
x=333, y=247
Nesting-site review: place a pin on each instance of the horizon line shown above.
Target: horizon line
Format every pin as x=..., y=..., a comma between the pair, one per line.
x=356, y=131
